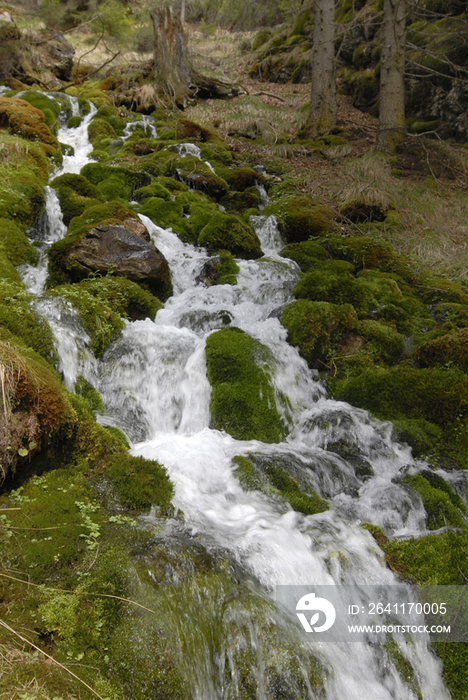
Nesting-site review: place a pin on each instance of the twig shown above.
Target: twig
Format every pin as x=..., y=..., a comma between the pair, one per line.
x=269, y=94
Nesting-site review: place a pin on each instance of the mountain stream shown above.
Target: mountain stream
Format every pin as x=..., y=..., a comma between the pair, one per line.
x=153, y=382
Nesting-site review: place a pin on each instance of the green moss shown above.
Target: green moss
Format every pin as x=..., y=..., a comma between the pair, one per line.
x=434, y=290
x=153, y=190
x=104, y=302
x=75, y=193
x=336, y=287
x=14, y=243
x=367, y=253
x=437, y=503
x=87, y=391
x=307, y=254
x=166, y=214
x=229, y=232
x=239, y=178
x=49, y=107
x=200, y=214
x=448, y=350
x=48, y=508
x=113, y=182
x=383, y=342
x=21, y=320
x=275, y=481
x=119, y=434
x=74, y=122
x=242, y=201
x=226, y=269
x=99, y=130
x=319, y=329
x=105, y=214
x=299, y=219
x=403, y=666
x=197, y=175
x=140, y=483
x=423, y=437
x=439, y=396
x=242, y=399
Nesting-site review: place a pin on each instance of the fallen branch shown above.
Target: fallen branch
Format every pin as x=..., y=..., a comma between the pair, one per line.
x=269, y=94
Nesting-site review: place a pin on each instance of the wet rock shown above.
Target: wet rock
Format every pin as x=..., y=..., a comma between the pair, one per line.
x=123, y=251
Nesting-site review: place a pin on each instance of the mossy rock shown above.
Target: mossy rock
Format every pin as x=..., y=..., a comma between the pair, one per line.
x=449, y=350
x=111, y=115
x=307, y=254
x=87, y=391
x=153, y=190
x=423, y=437
x=439, y=500
x=20, y=319
x=104, y=303
x=298, y=219
x=367, y=253
x=47, y=105
x=434, y=290
x=336, y=286
x=26, y=121
x=319, y=329
x=239, y=202
x=167, y=214
x=273, y=480
x=14, y=243
x=187, y=130
x=383, y=342
x=229, y=232
x=35, y=410
x=105, y=213
x=242, y=399
x=75, y=193
x=140, y=483
x=437, y=395
x=240, y=178
x=74, y=122
x=197, y=175
x=115, y=182
x=99, y=130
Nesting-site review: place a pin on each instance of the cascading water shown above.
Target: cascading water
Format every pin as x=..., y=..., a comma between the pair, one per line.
x=154, y=386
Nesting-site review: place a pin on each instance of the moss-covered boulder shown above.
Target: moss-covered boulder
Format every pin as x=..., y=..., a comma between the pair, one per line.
x=35, y=410
x=49, y=106
x=14, y=243
x=198, y=176
x=187, y=130
x=448, y=350
x=275, y=481
x=336, y=285
x=26, y=121
x=242, y=399
x=115, y=182
x=299, y=219
x=167, y=214
x=366, y=252
x=307, y=254
x=229, y=232
x=319, y=329
x=104, y=303
x=75, y=193
x=442, y=505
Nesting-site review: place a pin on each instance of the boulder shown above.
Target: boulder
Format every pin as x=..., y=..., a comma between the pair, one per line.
x=118, y=249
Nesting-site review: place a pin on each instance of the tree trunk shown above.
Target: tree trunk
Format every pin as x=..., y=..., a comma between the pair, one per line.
x=391, y=131
x=322, y=115
x=173, y=72
x=182, y=11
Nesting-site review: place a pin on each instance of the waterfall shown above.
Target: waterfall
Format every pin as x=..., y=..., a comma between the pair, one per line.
x=154, y=386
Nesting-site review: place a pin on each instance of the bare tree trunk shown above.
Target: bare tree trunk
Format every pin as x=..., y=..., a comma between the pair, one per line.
x=322, y=115
x=391, y=131
x=173, y=72
x=182, y=11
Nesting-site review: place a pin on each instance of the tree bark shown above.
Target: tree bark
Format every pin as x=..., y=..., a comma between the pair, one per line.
x=182, y=11
x=173, y=73
x=322, y=114
x=391, y=130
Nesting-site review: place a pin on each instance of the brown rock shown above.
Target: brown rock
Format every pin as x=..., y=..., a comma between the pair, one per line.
x=125, y=253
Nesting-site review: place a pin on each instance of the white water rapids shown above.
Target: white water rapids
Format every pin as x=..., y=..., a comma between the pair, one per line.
x=154, y=386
